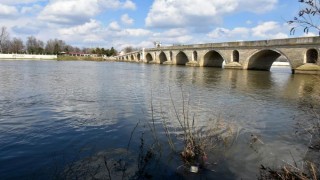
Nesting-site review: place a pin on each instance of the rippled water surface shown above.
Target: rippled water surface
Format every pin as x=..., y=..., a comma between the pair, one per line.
x=55, y=115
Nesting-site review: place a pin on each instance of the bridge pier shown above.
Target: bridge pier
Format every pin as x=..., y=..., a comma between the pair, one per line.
x=168, y=63
x=153, y=62
x=193, y=64
x=233, y=65
x=307, y=69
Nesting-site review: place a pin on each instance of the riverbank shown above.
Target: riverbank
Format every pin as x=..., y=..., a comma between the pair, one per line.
x=83, y=58
x=10, y=57
x=28, y=56
x=79, y=58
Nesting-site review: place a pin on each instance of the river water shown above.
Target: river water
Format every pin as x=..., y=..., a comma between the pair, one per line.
x=57, y=119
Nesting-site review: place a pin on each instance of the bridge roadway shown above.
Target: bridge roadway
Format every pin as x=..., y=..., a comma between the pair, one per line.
x=301, y=53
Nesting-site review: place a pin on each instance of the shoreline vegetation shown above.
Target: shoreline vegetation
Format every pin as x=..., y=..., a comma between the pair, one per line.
x=83, y=58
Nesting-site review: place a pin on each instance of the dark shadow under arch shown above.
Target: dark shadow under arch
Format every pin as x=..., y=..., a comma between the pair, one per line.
x=149, y=57
x=182, y=58
x=162, y=57
x=213, y=59
x=235, y=56
x=132, y=57
x=263, y=60
x=312, y=56
x=138, y=57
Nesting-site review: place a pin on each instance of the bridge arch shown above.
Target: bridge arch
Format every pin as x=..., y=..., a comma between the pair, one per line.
x=181, y=58
x=149, y=57
x=132, y=57
x=213, y=59
x=312, y=56
x=263, y=59
x=162, y=57
x=235, y=56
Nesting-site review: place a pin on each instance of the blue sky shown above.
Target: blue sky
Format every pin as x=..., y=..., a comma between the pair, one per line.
x=138, y=23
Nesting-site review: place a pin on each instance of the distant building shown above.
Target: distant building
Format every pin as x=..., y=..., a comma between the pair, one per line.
x=81, y=54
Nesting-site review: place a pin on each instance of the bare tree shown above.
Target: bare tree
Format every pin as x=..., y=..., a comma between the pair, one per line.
x=49, y=49
x=55, y=46
x=4, y=38
x=86, y=50
x=40, y=47
x=17, y=45
x=308, y=17
x=76, y=49
x=34, y=46
x=6, y=46
x=68, y=48
x=129, y=49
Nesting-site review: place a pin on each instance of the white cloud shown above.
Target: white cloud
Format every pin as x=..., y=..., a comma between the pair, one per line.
x=265, y=30
x=125, y=19
x=86, y=28
x=93, y=33
x=258, y=6
x=8, y=11
x=12, y=2
x=31, y=9
x=177, y=13
x=239, y=32
x=129, y=5
x=141, y=44
x=114, y=26
x=69, y=12
x=270, y=30
x=135, y=32
x=83, y=22
x=26, y=30
x=173, y=36
x=77, y=12
x=174, y=13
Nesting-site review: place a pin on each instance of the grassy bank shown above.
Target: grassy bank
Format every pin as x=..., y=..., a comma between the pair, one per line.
x=79, y=58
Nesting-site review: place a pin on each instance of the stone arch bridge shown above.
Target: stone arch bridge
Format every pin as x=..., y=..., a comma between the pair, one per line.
x=301, y=53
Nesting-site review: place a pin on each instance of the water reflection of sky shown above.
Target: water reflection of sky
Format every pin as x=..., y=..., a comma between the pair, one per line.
x=52, y=107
